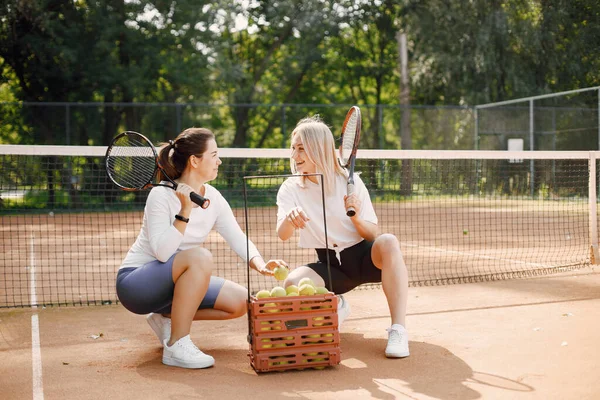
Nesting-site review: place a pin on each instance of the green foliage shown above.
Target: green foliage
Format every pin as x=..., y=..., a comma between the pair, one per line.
x=202, y=53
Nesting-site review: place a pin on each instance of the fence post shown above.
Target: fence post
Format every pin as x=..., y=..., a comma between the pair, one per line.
x=68, y=123
x=593, y=218
x=531, y=148
x=283, y=128
x=476, y=128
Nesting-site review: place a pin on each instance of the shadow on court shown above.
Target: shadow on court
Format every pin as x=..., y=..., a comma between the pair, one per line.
x=364, y=373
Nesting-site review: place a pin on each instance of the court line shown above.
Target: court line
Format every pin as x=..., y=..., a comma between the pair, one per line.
x=464, y=253
x=36, y=351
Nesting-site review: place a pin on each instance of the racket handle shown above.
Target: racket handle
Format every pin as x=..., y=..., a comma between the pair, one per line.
x=201, y=201
x=350, y=211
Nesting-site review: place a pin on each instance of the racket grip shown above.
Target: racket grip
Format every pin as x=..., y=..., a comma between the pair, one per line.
x=201, y=201
x=350, y=211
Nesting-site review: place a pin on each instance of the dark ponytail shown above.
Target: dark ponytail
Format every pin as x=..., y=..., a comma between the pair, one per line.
x=173, y=157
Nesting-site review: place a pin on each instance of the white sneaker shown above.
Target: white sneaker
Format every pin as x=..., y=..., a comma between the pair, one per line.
x=185, y=354
x=397, y=345
x=160, y=325
x=343, y=309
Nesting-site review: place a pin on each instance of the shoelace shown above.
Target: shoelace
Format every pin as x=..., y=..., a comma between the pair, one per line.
x=189, y=346
x=395, y=336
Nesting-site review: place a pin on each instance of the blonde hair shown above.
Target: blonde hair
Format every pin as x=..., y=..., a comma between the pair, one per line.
x=319, y=146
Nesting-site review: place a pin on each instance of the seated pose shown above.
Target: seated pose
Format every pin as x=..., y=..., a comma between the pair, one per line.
x=356, y=254
x=166, y=273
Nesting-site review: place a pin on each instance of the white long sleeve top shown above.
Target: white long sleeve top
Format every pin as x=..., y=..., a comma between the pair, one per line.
x=159, y=239
x=341, y=233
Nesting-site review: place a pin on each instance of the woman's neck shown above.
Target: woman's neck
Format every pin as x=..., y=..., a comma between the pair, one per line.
x=192, y=181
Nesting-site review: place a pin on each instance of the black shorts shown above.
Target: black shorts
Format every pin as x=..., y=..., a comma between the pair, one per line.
x=356, y=267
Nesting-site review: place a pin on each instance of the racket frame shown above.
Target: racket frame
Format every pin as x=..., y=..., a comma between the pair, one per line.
x=349, y=164
x=196, y=198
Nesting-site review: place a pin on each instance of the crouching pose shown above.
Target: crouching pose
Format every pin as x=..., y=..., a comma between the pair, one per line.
x=166, y=273
x=357, y=255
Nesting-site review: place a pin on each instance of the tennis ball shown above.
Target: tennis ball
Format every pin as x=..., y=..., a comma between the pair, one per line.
x=266, y=343
x=278, y=291
x=276, y=326
x=265, y=328
x=292, y=288
x=293, y=294
x=281, y=273
x=306, y=280
x=271, y=305
x=307, y=290
x=327, y=340
x=263, y=294
x=465, y=231
x=318, y=319
x=322, y=290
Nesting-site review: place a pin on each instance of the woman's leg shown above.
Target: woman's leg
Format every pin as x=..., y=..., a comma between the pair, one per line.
x=303, y=272
x=387, y=256
x=191, y=273
x=230, y=303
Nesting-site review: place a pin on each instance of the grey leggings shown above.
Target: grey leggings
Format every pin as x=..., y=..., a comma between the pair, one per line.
x=150, y=288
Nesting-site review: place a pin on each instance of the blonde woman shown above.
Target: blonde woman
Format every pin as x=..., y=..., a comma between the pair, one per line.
x=357, y=254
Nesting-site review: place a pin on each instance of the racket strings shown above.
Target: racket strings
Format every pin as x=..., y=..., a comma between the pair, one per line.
x=348, y=138
x=131, y=162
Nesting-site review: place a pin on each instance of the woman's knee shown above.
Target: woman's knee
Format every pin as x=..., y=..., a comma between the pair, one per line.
x=386, y=247
x=386, y=243
x=197, y=260
x=200, y=254
x=302, y=272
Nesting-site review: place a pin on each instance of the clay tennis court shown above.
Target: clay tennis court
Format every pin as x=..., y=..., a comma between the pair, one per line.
x=532, y=338
x=519, y=339
x=73, y=258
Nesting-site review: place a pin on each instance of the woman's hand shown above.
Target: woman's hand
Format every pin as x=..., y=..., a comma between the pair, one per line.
x=297, y=217
x=268, y=268
x=183, y=194
x=353, y=201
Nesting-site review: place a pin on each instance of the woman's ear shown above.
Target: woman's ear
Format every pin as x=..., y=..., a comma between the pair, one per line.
x=193, y=161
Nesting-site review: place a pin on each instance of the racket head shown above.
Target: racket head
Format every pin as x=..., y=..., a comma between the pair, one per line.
x=350, y=136
x=130, y=161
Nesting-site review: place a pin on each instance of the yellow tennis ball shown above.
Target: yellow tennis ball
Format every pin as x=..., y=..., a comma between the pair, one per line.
x=281, y=273
x=266, y=343
x=293, y=294
x=322, y=290
x=291, y=288
x=276, y=325
x=307, y=290
x=265, y=328
x=271, y=305
x=263, y=294
x=278, y=291
x=306, y=280
x=327, y=335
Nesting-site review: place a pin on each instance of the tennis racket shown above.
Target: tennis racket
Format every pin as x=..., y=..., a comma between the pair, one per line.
x=350, y=139
x=132, y=164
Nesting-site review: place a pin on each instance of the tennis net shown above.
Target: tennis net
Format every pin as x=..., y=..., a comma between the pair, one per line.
x=460, y=217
